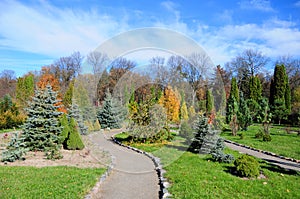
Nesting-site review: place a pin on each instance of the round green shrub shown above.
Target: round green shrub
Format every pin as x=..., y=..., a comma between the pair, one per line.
x=267, y=138
x=247, y=166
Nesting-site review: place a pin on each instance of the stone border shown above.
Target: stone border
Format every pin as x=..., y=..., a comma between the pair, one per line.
x=163, y=183
x=261, y=151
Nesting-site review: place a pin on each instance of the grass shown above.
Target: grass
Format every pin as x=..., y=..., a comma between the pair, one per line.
x=8, y=130
x=282, y=143
x=47, y=182
x=194, y=176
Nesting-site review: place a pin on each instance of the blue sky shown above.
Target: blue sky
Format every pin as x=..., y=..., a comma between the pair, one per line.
x=35, y=33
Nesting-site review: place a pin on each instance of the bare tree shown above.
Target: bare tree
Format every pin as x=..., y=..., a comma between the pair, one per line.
x=248, y=63
x=66, y=68
x=98, y=62
x=7, y=82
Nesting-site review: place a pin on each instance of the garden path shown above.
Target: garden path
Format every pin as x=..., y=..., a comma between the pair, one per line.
x=133, y=175
x=286, y=164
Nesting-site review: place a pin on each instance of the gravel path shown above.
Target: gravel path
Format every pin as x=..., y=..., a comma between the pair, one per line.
x=133, y=175
x=272, y=159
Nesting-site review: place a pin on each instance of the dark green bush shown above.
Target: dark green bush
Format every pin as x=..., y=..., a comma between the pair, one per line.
x=241, y=135
x=267, y=138
x=247, y=166
x=74, y=141
x=259, y=134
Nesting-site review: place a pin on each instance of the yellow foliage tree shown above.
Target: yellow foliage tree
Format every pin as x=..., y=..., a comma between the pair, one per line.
x=171, y=102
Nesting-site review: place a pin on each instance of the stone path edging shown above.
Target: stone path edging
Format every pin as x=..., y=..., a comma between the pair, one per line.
x=262, y=151
x=163, y=183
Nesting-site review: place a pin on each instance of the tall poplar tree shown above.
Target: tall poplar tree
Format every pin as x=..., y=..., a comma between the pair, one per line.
x=280, y=93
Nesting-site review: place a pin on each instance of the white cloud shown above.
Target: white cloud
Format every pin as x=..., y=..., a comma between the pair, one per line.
x=297, y=4
x=58, y=32
x=262, y=5
x=53, y=31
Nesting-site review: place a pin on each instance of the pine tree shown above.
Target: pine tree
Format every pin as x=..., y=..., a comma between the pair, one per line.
x=111, y=114
x=41, y=130
x=244, y=116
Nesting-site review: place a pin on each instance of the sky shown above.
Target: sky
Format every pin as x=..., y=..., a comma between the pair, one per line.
x=36, y=33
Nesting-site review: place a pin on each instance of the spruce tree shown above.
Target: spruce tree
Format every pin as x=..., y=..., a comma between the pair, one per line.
x=41, y=130
x=205, y=137
x=74, y=112
x=111, y=114
x=244, y=116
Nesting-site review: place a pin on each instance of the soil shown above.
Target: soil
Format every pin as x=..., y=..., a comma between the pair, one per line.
x=90, y=157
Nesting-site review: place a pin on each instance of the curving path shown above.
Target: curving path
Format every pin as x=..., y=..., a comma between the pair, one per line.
x=133, y=175
x=286, y=164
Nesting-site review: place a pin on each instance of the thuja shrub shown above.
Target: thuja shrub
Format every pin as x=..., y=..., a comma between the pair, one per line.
x=247, y=166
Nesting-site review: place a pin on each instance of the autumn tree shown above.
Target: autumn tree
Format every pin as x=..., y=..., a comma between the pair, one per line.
x=184, y=115
x=46, y=79
x=171, y=102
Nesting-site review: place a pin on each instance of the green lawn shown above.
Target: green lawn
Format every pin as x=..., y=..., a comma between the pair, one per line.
x=8, y=130
x=194, y=176
x=47, y=182
x=282, y=143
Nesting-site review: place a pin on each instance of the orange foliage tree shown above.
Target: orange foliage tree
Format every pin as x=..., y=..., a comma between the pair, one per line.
x=48, y=78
